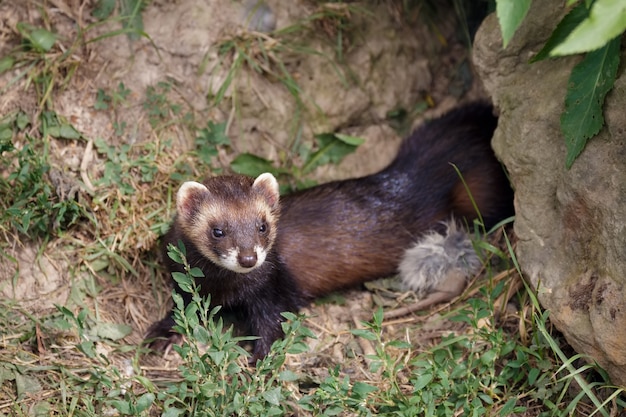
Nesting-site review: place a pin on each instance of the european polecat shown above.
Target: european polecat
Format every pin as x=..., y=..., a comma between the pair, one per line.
x=338, y=234
x=228, y=225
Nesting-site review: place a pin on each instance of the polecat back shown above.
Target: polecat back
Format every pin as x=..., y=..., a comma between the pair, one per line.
x=344, y=233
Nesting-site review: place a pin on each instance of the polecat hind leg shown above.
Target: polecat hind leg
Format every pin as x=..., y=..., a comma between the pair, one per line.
x=161, y=336
x=438, y=266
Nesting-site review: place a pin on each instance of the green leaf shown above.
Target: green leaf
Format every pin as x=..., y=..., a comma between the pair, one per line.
x=180, y=246
x=196, y=272
x=6, y=134
x=22, y=120
x=209, y=139
x=378, y=317
x=273, y=396
x=174, y=254
x=25, y=384
x=488, y=357
x=562, y=31
x=365, y=334
x=87, y=348
x=144, y=402
x=202, y=335
x=288, y=376
x=252, y=165
x=191, y=310
x=399, y=344
x=510, y=14
x=172, y=412
x=103, y=9
x=130, y=11
x=607, y=19
x=217, y=356
x=350, y=140
x=509, y=407
x=588, y=84
x=102, y=100
x=214, y=134
x=122, y=406
x=8, y=372
x=183, y=281
x=180, y=277
x=42, y=408
x=361, y=389
x=6, y=63
x=64, y=131
x=42, y=39
x=333, y=147
x=533, y=374
x=422, y=381
x=297, y=348
x=112, y=331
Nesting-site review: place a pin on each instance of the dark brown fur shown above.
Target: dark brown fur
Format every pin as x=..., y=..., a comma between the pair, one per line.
x=344, y=233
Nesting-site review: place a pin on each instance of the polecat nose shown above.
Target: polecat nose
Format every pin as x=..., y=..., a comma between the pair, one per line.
x=247, y=260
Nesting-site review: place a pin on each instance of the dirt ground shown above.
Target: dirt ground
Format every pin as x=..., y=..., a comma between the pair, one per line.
x=109, y=264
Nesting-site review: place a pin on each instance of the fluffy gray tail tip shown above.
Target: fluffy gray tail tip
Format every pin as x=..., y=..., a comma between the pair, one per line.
x=429, y=262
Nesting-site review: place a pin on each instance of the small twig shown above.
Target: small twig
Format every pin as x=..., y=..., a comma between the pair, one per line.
x=449, y=289
x=87, y=158
x=366, y=346
x=431, y=300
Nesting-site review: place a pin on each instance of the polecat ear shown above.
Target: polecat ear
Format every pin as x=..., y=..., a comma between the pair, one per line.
x=268, y=186
x=189, y=197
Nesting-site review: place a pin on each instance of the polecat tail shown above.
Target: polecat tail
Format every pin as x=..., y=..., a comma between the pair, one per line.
x=440, y=262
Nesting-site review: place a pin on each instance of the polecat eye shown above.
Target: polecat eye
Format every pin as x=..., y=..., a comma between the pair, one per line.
x=263, y=228
x=218, y=233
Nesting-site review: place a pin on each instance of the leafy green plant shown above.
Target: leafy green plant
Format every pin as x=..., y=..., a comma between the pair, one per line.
x=89, y=331
x=114, y=99
x=48, y=61
x=129, y=15
x=214, y=382
x=38, y=39
x=208, y=140
x=588, y=85
x=40, y=60
x=88, y=383
x=593, y=27
x=160, y=109
x=546, y=387
x=33, y=206
x=466, y=373
x=129, y=166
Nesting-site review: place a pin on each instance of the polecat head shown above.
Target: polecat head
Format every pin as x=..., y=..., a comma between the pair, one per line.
x=230, y=219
